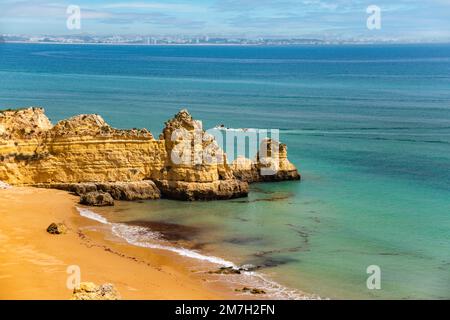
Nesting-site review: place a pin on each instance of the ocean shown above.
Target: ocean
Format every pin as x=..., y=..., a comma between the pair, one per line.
x=368, y=127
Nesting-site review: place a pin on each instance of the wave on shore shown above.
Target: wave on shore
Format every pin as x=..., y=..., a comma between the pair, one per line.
x=144, y=237
x=92, y=215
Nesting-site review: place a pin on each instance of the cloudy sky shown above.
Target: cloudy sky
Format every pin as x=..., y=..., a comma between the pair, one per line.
x=401, y=19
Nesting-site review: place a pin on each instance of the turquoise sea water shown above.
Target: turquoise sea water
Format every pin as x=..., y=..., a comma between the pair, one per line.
x=368, y=127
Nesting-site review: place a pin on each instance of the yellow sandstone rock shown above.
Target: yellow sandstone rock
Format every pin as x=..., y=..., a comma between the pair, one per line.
x=90, y=291
x=185, y=162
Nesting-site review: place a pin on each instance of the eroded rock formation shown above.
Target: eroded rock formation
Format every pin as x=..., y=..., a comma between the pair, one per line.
x=196, y=167
x=125, y=191
x=81, y=149
x=84, y=154
x=271, y=164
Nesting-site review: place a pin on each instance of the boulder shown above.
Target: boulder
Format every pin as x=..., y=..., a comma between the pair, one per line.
x=90, y=291
x=97, y=199
x=57, y=228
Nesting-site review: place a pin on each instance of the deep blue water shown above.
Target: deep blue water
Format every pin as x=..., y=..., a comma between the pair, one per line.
x=368, y=127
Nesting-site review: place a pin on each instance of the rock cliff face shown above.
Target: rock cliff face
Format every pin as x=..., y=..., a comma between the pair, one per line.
x=81, y=149
x=85, y=153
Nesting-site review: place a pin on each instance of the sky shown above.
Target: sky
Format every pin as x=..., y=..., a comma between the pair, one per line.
x=409, y=20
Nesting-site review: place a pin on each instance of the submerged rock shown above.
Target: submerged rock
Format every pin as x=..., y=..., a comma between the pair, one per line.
x=97, y=199
x=57, y=228
x=90, y=291
x=226, y=270
x=251, y=290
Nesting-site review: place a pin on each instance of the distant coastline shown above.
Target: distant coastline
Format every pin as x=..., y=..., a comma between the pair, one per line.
x=138, y=44
x=229, y=44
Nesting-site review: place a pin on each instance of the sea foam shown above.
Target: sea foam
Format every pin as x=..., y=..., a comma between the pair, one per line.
x=142, y=237
x=92, y=215
x=145, y=238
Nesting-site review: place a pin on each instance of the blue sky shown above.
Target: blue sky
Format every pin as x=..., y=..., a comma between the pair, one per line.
x=401, y=19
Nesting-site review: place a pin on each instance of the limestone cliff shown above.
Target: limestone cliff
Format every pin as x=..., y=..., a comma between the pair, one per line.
x=81, y=149
x=185, y=162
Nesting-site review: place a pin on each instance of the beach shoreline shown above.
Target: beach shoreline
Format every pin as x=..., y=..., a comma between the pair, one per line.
x=34, y=263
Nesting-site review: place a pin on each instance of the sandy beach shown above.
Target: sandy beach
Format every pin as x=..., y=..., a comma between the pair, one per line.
x=33, y=263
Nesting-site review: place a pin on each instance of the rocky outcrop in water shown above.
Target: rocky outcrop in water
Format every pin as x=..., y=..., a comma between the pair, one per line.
x=84, y=154
x=190, y=191
x=251, y=290
x=226, y=270
x=188, y=174
x=97, y=199
x=269, y=166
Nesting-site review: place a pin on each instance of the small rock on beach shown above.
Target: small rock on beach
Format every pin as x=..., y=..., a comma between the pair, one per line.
x=90, y=291
x=57, y=228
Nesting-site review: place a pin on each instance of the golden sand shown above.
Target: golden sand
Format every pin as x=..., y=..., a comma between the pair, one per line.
x=33, y=263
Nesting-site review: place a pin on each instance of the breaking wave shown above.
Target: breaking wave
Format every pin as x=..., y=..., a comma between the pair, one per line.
x=145, y=238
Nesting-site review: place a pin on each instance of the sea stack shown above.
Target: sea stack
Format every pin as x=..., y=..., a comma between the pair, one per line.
x=193, y=177
x=85, y=154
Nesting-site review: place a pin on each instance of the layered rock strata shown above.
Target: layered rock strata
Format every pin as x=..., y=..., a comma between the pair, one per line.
x=125, y=191
x=196, y=167
x=81, y=149
x=84, y=154
x=271, y=165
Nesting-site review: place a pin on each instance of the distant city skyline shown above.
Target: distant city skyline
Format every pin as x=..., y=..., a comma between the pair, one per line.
x=402, y=20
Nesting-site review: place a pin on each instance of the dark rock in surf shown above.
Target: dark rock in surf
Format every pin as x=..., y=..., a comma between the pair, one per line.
x=97, y=199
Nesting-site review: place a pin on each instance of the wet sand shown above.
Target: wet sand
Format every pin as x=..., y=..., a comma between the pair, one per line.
x=34, y=263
